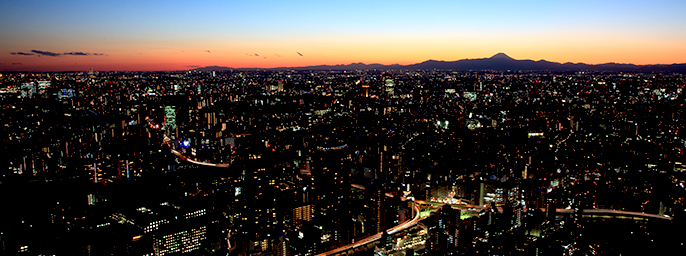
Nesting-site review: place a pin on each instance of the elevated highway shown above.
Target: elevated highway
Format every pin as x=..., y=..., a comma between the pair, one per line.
x=375, y=237
x=606, y=213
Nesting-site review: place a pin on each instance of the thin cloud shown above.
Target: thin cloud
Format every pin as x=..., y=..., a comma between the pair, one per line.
x=257, y=55
x=208, y=51
x=16, y=63
x=40, y=53
x=76, y=53
x=55, y=54
x=299, y=53
x=277, y=55
x=83, y=54
x=46, y=53
x=192, y=66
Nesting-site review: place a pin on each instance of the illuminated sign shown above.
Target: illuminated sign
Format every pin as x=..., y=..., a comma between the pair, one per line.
x=185, y=143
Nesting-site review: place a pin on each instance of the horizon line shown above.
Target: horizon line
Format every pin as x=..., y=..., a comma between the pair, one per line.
x=499, y=55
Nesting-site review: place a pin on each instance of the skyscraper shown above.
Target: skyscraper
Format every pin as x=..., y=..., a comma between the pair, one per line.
x=330, y=166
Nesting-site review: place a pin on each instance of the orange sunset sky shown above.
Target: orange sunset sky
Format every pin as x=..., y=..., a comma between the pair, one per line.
x=181, y=35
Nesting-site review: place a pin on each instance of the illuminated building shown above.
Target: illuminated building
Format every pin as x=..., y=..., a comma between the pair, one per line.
x=330, y=167
x=28, y=90
x=389, y=84
x=365, y=90
x=283, y=248
x=449, y=221
x=302, y=214
x=123, y=169
x=379, y=208
x=183, y=241
x=551, y=209
x=170, y=118
x=165, y=228
x=256, y=208
x=95, y=172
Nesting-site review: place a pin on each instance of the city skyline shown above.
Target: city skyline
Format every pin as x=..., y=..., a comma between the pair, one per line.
x=129, y=36
x=316, y=128
x=302, y=162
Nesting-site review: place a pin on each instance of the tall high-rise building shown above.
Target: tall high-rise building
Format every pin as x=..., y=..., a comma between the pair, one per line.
x=449, y=221
x=551, y=209
x=448, y=217
x=330, y=168
x=283, y=247
x=379, y=210
x=302, y=214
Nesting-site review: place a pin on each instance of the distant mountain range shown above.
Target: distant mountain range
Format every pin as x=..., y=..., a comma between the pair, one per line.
x=498, y=62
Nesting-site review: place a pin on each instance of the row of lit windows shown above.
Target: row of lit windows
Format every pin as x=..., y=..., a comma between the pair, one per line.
x=195, y=214
x=181, y=241
x=155, y=225
x=121, y=218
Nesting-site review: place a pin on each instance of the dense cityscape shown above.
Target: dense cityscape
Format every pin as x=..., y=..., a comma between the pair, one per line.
x=349, y=162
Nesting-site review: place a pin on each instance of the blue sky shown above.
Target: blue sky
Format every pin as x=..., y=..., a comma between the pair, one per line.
x=171, y=34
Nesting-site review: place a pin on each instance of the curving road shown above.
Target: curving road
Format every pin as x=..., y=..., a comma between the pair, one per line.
x=177, y=153
x=617, y=212
x=359, y=243
x=387, y=194
x=377, y=236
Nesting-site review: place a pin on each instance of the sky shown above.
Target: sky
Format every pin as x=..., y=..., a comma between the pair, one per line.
x=72, y=35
